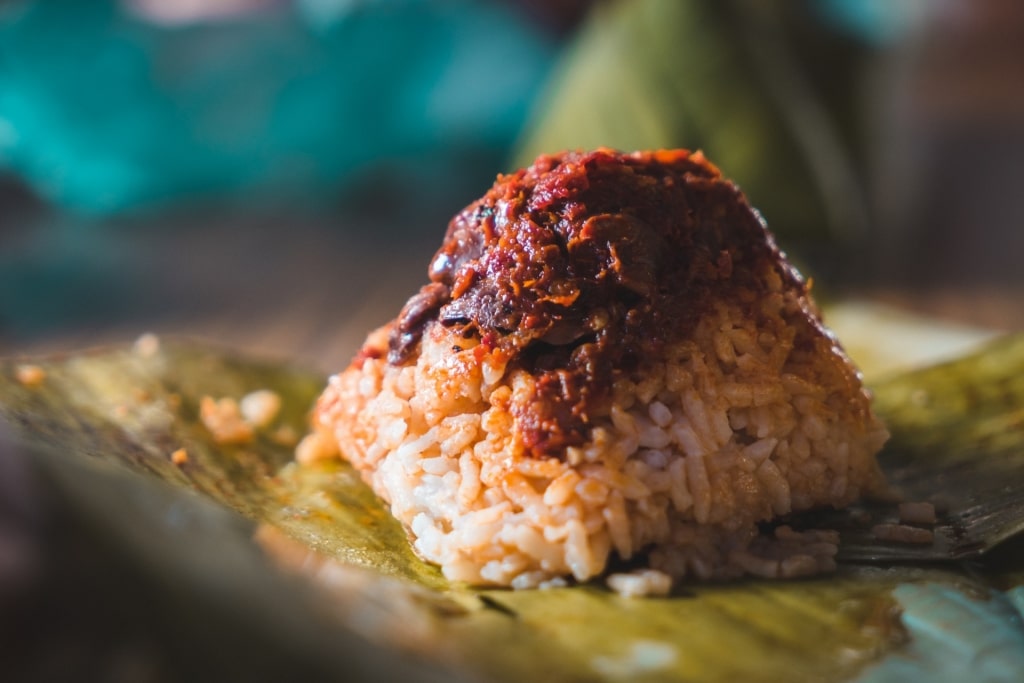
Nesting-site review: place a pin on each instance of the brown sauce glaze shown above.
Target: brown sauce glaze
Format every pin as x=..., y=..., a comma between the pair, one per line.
x=583, y=264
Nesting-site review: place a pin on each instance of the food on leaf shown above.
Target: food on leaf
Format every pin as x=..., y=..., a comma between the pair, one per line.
x=611, y=358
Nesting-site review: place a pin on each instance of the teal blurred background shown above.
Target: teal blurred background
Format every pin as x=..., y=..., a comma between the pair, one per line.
x=170, y=162
x=111, y=107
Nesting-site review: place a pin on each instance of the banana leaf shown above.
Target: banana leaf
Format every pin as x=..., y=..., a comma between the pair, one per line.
x=107, y=423
x=958, y=442
x=724, y=77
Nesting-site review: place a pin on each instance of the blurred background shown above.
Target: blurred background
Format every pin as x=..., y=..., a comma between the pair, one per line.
x=275, y=175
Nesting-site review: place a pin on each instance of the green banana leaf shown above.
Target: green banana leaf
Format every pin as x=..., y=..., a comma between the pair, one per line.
x=958, y=442
x=727, y=78
x=107, y=423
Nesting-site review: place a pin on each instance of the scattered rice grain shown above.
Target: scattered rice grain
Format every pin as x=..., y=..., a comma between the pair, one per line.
x=224, y=421
x=641, y=583
x=314, y=447
x=917, y=513
x=901, y=533
x=29, y=375
x=259, y=408
x=147, y=345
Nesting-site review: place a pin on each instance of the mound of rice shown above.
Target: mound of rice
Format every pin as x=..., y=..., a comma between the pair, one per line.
x=740, y=411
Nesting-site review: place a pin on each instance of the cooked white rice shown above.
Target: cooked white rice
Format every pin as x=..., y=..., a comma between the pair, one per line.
x=754, y=415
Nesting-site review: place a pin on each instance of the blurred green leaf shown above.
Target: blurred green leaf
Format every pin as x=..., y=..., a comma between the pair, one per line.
x=719, y=77
x=132, y=409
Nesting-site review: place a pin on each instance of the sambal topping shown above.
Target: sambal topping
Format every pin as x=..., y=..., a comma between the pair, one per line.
x=583, y=262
